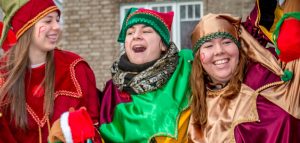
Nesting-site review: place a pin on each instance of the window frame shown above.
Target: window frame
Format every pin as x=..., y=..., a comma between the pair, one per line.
x=178, y=43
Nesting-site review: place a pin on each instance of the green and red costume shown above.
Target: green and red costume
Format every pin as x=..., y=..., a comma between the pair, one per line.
x=139, y=117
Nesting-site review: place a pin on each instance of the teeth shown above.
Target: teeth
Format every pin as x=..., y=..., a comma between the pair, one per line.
x=221, y=61
x=52, y=36
x=137, y=46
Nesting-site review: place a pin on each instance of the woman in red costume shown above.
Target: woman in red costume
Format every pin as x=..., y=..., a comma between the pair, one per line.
x=38, y=82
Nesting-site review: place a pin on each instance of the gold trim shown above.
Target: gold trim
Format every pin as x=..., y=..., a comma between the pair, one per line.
x=34, y=20
x=73, y=76
x=77, y=94
x=41, y=122
x=269, y=85
x=40, y=135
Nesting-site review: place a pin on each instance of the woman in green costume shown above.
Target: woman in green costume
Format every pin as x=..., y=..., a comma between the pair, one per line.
x=147, y=98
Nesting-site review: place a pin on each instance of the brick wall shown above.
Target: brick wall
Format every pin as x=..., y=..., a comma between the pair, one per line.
x=91, y=28
x=236, y=7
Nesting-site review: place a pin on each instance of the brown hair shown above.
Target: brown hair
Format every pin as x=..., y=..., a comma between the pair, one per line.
x=199, y=80
x=13, y=67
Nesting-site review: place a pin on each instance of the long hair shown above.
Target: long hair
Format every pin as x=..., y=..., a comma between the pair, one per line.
x=198, y=85
x=13, y=67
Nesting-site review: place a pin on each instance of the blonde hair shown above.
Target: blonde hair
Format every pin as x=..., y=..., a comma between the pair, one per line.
x=13, y=67
x=199, y=79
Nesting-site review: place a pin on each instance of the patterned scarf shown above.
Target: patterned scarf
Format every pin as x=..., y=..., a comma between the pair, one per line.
x=137, y=79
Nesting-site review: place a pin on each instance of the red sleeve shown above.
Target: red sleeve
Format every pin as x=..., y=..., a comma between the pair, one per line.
x=86, y=79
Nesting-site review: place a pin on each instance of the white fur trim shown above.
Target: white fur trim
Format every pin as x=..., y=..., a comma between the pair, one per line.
x=64, y=124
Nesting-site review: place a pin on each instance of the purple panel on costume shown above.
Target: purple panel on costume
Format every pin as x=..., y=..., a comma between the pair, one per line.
x=251, y=19
x=258, y=76
x=275, y=126
x=250, y=26
x=112, y=96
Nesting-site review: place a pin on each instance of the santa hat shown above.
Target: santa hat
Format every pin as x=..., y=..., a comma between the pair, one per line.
x=286, y=35
x=160, y=22
x=77, y=126
x=20, y=15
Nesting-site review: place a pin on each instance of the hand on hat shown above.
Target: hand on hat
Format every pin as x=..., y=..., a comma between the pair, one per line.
x=79, y=127
x=56, y=135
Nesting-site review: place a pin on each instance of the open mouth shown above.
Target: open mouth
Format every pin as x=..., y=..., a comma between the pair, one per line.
x=53, y=37
x=139, y=49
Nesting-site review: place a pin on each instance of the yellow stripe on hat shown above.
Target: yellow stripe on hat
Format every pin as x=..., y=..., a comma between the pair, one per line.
x=35, y=19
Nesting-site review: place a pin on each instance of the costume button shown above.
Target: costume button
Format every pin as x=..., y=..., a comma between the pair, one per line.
x=0, y=114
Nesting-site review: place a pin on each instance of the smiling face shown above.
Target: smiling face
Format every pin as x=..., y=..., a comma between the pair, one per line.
x=143, y=44
x=219, y=58
x=45, y=34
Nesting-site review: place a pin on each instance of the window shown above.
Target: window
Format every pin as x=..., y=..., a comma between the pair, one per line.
x=186, y=16
x=59, y=3
x=190, y=15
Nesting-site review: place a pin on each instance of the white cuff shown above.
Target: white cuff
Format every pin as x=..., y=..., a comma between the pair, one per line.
x=64, y=124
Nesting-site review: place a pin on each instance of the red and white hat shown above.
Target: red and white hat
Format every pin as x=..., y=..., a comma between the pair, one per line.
x=161, y=22
x=77, y=126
